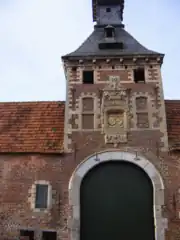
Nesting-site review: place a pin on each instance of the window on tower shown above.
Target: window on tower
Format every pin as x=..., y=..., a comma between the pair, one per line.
x=29, y=234
x=139, y=75
x=49, y=235
x=87, y=113
x=88, y=77
x=109, y=32
x=108, y=9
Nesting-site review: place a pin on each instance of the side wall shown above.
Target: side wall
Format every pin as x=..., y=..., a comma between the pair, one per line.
x=18, y=173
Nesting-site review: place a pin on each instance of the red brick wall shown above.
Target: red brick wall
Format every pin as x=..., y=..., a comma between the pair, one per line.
x=19, y=172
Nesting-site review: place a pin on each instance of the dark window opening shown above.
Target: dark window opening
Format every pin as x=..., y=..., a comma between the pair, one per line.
x=114, y=45
x=139, y=75
x=108, y=9
x=109, y=32
x=99, y=67
x=125, y=66
x=41, y=196
x=74, y=69
x=49, y=235
x=113, y=67
x=88, y=77
x=27, y=234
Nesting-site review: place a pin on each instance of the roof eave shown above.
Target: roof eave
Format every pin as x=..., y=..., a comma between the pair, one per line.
x=125, y=56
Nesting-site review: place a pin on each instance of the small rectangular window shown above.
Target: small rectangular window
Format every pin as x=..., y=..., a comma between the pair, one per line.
x=49, y=235
x=108, y=9
x=88, y=77
x=27, y=234
x=74, y=69
x=139, y=75
x=41, y=196
x=109, y=32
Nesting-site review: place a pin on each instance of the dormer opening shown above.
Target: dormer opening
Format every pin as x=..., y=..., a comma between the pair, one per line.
x=109, y=32
x=111, y=45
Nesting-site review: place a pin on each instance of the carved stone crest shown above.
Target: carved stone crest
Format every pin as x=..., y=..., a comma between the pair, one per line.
x=114, y=89
x=114, y=111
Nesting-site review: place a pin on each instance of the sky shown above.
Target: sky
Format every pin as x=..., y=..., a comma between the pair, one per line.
x=34, y=34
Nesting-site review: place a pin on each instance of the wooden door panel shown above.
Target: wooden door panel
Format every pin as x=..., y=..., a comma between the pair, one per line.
x=116, y=203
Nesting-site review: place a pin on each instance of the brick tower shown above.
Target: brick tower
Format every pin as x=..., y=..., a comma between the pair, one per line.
x=114, y=88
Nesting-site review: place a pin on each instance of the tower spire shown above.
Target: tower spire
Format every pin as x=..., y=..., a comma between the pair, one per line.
x=108, y=11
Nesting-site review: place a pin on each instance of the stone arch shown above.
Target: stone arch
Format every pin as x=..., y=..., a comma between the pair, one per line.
x=92, y=161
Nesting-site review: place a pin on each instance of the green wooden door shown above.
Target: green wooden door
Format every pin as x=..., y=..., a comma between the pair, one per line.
x=116, y=200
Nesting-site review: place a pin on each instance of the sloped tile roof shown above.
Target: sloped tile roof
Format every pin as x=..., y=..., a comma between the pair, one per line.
x=32, y=127
x=90, y=46
x=173, y=122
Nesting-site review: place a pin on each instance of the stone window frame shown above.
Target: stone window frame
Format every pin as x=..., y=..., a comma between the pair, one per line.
x=96, y=110
x=32, y=197
x=149, y=109
x=87, y=112
x=146, y=111
x=90, y=67
x=82, y=169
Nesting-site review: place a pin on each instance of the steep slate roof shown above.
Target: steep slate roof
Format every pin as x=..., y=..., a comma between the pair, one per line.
x=32, y=127
x=39, y=126
x=90, y=46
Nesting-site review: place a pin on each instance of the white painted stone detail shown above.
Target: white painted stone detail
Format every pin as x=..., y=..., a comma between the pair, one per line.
x=142, y=162
x=32, y=197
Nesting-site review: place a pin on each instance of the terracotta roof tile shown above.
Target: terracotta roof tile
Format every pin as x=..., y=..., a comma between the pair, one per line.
x=32, y=127
x=173, y=121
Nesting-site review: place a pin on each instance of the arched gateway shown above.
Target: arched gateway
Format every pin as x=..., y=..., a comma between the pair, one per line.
x=116, y=196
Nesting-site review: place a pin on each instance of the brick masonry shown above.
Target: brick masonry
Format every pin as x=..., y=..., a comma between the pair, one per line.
x=19, y=173
x=147, y=136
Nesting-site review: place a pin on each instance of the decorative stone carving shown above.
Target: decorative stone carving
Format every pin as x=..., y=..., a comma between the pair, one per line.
x=114, y=90
x=115, y=119
x=116, y=138
x=114, y=111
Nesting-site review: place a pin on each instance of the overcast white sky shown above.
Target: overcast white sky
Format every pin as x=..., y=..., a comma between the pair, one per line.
x=35, y=33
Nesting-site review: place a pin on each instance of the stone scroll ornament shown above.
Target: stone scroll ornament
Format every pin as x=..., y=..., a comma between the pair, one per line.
x=114, y=111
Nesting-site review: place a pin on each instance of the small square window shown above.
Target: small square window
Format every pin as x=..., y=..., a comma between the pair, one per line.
x=27, y=234
x=41, y=200
x=49, y=235
x=108, y=9
x=74, y=69
x=88, y=77
x=139, y=75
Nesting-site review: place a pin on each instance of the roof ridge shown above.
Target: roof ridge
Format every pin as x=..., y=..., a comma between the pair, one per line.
x=17, y=102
